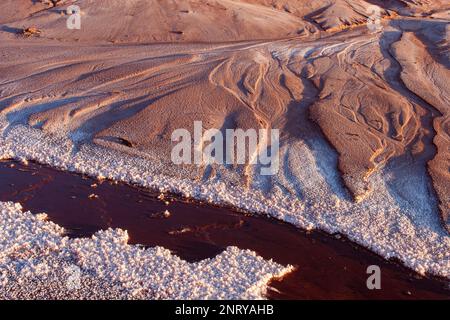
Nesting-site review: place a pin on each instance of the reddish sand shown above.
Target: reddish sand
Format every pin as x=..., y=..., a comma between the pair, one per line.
x=362, y=89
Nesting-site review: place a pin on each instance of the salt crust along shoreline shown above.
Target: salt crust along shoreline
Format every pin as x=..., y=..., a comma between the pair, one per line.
x=398, y=219
x=38, y=262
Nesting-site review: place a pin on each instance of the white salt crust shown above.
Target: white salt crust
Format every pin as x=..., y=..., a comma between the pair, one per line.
x=38, y=261
x=398, y=219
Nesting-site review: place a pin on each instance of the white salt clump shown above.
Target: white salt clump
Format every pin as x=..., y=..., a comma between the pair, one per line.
x=393, y=221
x=38, y=262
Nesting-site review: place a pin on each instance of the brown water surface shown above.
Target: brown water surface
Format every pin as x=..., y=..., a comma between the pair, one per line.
x=327, y=267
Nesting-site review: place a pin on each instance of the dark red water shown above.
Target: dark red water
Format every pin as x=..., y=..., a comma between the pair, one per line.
x=327, y=268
